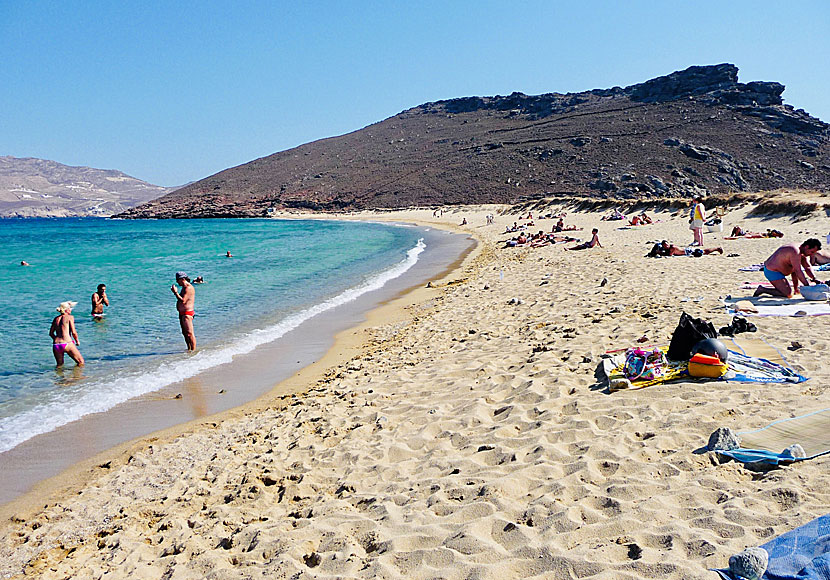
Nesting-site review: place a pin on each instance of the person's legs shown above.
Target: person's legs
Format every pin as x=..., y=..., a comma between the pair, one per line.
x=186, y=322
x=75, y=354
x=780, y=288
x=708, y=251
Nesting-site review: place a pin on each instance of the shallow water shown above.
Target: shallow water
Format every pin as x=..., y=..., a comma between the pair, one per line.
x=282, y=273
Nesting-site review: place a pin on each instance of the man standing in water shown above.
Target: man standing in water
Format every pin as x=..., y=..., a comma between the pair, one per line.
x=99, y=299
x=185, y=304
x=64, y=337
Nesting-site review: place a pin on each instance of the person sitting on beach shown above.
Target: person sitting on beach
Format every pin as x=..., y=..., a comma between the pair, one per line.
x=645, y=219
x=64, y=336
x=789, y=260
x=636, y=221
x=463, y=221
x=99, y=300
x=587, y=245
x=738, y=231
x=561, y=227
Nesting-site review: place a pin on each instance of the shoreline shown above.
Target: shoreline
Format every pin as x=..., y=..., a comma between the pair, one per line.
x=469, y=438
x=84, y=466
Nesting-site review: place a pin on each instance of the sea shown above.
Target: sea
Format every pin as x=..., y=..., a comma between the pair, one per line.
x=282, y=273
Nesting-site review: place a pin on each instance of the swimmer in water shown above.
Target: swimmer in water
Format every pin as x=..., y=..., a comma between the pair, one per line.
x=99, y=300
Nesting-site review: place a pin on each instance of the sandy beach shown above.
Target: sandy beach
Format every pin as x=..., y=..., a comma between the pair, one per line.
x=461, y=433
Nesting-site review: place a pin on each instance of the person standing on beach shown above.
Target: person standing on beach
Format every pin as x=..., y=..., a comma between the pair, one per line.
x=696, y=218
x=185, y=304
x=64, y=336
x=99, y=299
x=789, y=260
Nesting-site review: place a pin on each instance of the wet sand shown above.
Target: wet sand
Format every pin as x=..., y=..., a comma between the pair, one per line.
x=219, y=389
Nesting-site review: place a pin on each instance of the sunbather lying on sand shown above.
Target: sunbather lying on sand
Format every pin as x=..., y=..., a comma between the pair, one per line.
x=666, y=249
x=820, y=257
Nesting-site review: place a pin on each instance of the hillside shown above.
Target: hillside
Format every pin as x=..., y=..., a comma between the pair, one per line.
x=693, y=131
x=40, y=188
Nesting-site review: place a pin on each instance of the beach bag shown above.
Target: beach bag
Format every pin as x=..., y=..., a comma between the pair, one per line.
x=702, y=365
x=688, y=333
x=644, y=365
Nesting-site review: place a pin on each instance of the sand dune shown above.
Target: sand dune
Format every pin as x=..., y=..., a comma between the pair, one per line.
x=470, y=439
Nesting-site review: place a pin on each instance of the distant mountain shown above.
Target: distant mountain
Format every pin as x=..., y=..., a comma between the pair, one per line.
x=40, y=188
x=694, y=131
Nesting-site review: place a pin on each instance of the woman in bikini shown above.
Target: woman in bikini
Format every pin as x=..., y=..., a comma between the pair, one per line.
x=64, y=336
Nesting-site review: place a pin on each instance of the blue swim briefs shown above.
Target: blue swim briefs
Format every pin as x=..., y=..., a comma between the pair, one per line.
x=772, y=275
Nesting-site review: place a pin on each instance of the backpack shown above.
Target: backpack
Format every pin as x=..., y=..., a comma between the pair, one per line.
x=688, y=333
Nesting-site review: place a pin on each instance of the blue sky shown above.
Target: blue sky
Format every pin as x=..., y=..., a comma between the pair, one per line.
x=172, y=92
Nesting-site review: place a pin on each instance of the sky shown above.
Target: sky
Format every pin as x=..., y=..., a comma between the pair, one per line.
x=171, y=92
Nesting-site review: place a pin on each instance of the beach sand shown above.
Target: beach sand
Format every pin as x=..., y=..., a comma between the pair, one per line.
x=460, y=433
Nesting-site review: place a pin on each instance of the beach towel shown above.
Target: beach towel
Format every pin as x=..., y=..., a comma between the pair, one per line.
x=771, y=306
x=766, y=445
x=752, y=345
x=752, y=268
x=742, y=368
x=754, y=285
x=800, y=554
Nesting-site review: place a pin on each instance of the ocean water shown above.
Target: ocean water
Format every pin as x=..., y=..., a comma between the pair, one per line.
x=283, y=272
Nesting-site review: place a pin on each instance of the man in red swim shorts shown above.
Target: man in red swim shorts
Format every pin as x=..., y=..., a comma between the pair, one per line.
x=185, y=304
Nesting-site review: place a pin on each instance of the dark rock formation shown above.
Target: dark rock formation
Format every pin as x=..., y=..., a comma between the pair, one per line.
x=692, y=132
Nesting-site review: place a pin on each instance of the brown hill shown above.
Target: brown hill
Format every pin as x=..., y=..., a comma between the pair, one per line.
x=693, y=131
x=32, y=187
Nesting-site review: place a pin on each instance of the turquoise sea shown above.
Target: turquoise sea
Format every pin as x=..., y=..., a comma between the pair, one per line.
x=282, y=273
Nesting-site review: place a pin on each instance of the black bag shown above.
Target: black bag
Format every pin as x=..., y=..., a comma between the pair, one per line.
x=688, y=333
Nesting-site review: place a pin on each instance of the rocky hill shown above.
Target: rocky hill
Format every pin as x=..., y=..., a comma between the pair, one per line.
x=40, y=188
x=693, y=131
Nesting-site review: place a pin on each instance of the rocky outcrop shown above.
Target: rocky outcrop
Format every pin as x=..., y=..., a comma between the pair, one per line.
x=693, y=132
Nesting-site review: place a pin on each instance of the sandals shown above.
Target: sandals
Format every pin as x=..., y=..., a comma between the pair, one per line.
x=739, y=325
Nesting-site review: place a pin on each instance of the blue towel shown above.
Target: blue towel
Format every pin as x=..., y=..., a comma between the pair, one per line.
x=759, y=455
x=800, y=554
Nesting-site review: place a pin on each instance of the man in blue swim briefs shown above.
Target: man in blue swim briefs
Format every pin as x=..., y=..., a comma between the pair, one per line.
x=789, y=260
